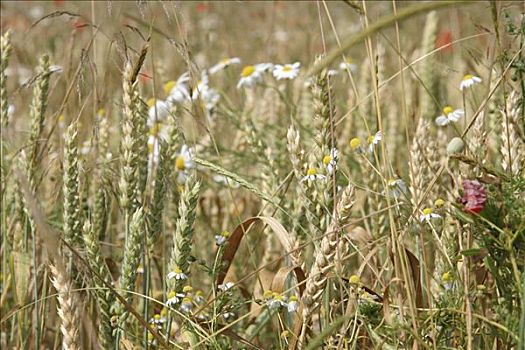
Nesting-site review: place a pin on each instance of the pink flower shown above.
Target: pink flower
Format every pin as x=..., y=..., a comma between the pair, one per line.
x=474, y=196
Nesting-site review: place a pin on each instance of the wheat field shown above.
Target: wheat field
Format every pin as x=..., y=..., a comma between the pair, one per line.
x=262, y=175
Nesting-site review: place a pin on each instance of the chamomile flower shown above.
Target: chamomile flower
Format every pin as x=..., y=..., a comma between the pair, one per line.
x=174, y=298
x=330, y=160
x=158, y=320
x=158, y=111
x=274, y=300
x=187, y=304
x=448, y=280
x=355, y=144
x=373, y=140
x=225, y=286
x=183, y=162
x=428, y=215
x=354, y=280
x=348, y=65
x=469, y=80
x=225, y=63
x=439, y=203
x=396, y=188
x=177, y=273
x=449, y=115
x=221, y=238
x=313, y=175
x=293, y=304
x=178, y=91
x=249, y=77
x=287, y=71
x=199, y=296
x=210, y=97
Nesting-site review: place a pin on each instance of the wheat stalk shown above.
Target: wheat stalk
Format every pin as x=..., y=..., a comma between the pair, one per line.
x=324, y=263
x=5, y=48
x=104, y=297
x=37, y=113
x=512, y=147
x=68, y=306
x=183, y=237
x=71, y=187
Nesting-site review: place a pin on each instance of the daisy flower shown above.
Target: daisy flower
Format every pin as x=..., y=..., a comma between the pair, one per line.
x=469, y=80
x=158, y=111
x=312, y=175
x=287, y=71
x=225, y=63
x=249, y=77
x=449, y=115
x=427, y=215
x=177, y=274
x=293, y=304
x=330, y=160
x=183, y=162
x=177, y=91
x=396, y=188
x=222, y=238
x=373, y=140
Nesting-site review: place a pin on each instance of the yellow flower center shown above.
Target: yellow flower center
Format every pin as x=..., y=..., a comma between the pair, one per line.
x=156, y=317
x=180, y=164
x=447, y=110
x=164, y=311
x=168, y=86
x=447, y=277
x=287, y=68
x=151, y=102
x=370, y=139
x=61, y=118
x=327, y=159
x=311, y=171
x=355, y=143
x=171, y=294
x=177, y=270
x=225, y=234
x=293, y=298
x=391, y=182
x=468, y=77
x=427, y=211
x=439, y=203
x=247, y=71
x=101, y=112
x=187, y=289
x=354, y=279
x=187, y=300
x=268, y=294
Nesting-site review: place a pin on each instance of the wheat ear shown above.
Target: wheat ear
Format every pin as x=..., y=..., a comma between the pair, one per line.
x=68, y=306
